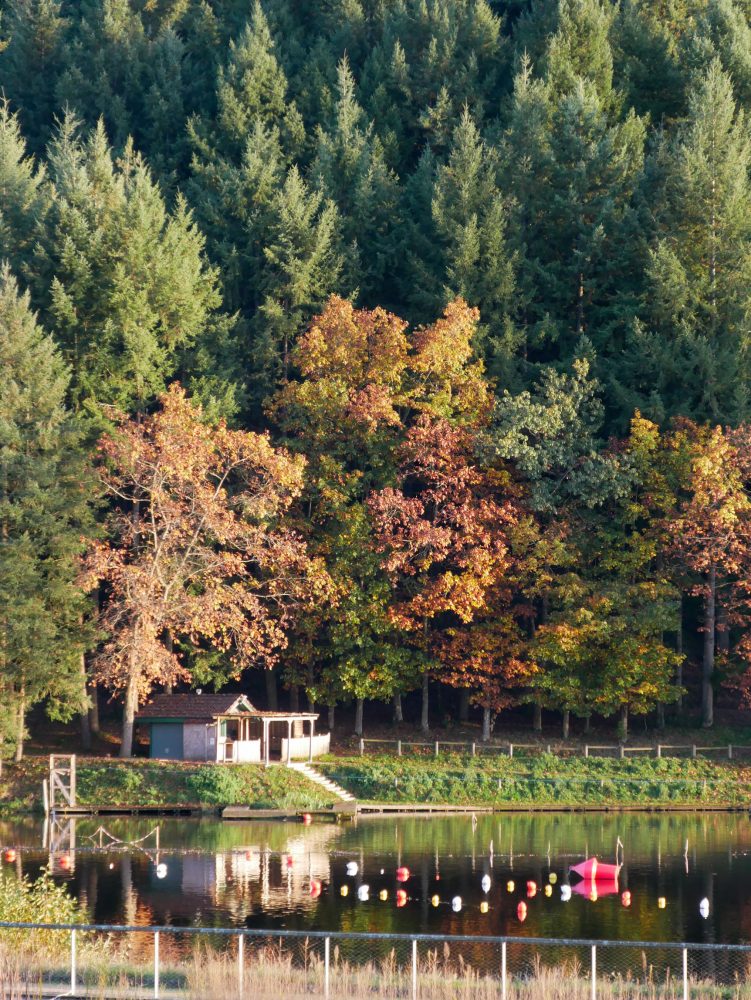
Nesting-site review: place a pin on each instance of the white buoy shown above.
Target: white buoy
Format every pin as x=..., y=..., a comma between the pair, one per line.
x=456, y=904
x=485, y=883
x=352, y=868
x=363, y=893
x=704, y=908
x=565, y=893
x=161, y=870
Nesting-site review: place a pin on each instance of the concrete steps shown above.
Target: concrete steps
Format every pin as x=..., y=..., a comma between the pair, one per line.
x=324, y=782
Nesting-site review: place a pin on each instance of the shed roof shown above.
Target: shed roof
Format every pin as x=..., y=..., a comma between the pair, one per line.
x=209, y=706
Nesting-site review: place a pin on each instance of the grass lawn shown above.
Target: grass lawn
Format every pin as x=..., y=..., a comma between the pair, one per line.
x=459, y=779
x=102, y=782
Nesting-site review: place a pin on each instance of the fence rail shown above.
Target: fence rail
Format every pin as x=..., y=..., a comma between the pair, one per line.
x=620, y=750
x=328, y=963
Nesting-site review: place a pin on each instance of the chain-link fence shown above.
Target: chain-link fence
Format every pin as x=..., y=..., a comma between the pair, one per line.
x=125, y=963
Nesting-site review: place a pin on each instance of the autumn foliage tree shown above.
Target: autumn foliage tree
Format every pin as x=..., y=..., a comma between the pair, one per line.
x=197, y=549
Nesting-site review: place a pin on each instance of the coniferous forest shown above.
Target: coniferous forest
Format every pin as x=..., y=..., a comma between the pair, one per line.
x=387, y=346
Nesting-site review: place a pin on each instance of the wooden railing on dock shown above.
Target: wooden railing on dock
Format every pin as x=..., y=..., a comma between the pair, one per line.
x=60, y=788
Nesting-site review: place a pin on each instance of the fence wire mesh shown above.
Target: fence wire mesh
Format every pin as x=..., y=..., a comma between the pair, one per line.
x=117, y=963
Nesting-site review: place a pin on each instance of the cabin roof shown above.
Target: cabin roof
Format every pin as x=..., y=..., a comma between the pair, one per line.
x=209, y=706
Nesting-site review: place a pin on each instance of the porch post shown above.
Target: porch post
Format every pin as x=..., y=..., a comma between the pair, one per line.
x=310, y=748
x=289, y=739
x=266, y=741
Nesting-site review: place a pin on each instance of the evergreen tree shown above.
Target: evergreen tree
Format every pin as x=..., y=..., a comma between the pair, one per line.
x=690, y=356
x=124, y=282
x=32, y=62
x=24, y=195
x=43, y=515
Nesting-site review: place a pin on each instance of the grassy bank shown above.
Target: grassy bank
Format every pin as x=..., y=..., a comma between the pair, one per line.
x=148, y=783
x=545, y=779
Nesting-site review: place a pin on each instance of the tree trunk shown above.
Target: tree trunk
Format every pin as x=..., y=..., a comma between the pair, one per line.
x=660, y=715
x=294, y=698
x=94, y=710
x=85, y=719
x=311, y=701
x=358, y=716
x=464, y=705
x=424, y=716
x=587, y=725
x=679, y=649
x=537, y=718
x=21, y=730
x=723, y=630
x=566, y=723
x=623, y=726
x=486, y=724
x=129, y=712
x=272, y=702
x=398, y=714
x=707, y=698
x=332, y=709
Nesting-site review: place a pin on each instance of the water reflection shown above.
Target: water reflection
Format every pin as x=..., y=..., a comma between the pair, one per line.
x=260, y=874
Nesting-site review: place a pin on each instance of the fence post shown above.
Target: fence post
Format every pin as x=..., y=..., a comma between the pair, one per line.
x=156, y=965
x=511, y=749
x=693, y=750
x=730, y=751
x=503, y=970
x=659, y=751
x=474, y=749
x=73, y=962
x=398, y=748
x=241, y=963
x=685, y=974
x=414, y=969
x=594, y=972
x=586, y=749
x=436, y=748
x=362, y=747
x=326, y=965
x=621, y=751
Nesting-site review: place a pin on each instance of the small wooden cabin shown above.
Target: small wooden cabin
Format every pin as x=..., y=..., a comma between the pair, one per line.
x=227, y=728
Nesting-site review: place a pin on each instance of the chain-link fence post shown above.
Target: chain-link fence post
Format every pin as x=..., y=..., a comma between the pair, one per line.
x=326, y=965
x=241, y=963
x=594, y=972
x=73, y=963
x=503, y=970
x=414, y=969
x=156, y=965
x=685, y=974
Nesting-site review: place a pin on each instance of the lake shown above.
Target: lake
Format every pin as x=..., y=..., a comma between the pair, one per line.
x=259, y=874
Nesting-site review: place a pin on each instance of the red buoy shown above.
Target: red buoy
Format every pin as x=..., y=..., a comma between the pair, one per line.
x=401, y=897
x=307, y=819
x=9, y=855
x=595, y=870
x=531, y=889
x=521, y=911
x=402, y=874
x=315, y=888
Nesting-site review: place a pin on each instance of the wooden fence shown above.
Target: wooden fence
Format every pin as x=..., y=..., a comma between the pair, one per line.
x=619, y=750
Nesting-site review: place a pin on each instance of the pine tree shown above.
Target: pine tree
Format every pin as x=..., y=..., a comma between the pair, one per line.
x=43, y=515
x=692, y=350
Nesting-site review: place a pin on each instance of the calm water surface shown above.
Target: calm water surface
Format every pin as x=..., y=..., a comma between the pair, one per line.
x=259, y=874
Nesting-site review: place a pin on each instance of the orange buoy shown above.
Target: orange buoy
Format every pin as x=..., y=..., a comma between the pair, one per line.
x=531, y=889
x=401, y=897
x=626, y=898
x=9, y=855
x=315, y=888
x=307, y=819
x=402, y=874
x=521, y=911
x=65, y=862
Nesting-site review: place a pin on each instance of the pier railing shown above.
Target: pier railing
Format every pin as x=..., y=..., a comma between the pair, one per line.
x=134, y=962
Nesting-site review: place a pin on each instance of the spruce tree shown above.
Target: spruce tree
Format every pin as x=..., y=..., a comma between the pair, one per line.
x=124, y=282
x=690, y=353
x=24, y=195
x=43, y=515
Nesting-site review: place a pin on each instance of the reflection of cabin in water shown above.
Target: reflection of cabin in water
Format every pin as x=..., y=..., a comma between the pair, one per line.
x=227, y=728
